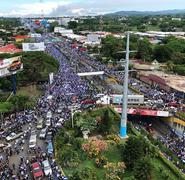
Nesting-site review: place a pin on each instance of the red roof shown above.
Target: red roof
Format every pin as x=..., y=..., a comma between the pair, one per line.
x=21, y=37
x=10, y=48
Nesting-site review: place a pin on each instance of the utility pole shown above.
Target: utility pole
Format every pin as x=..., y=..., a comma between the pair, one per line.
x=123, y=129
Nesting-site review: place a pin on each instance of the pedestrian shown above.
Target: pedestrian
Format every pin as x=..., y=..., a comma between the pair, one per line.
x=13, y=165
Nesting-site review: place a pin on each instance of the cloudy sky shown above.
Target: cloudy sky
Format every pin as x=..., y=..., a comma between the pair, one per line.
x=82, y=7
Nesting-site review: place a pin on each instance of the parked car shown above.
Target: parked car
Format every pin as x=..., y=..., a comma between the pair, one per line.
x=37, y=170
x=13, y=136
x=49, y=115
x=43, y=133
x=60, y=122
x=33, y=141
x=47, y=168
x=59, y=110
x=40, y=124
x=49, y=136
x=50, y=149
x=48, y=122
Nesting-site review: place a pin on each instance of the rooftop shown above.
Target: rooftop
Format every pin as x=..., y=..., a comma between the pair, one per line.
x=10, y=48
x=174, y=81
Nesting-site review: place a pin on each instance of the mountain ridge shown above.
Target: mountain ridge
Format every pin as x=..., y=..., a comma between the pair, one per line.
x=142, y=13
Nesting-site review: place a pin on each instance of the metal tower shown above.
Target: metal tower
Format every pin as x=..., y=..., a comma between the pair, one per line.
x=123, y=129
x=101, y=23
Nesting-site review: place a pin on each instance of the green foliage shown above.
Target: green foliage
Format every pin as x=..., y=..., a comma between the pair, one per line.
x=136, y=148
x=163, y=53
x=37, y=66
x=6, y=107
x=19, y=102
x=86, y=124
x=143, y=169
x=85, y=173
x=72, y=25
x=106, y=123
x=144, y=50
x=111, y=46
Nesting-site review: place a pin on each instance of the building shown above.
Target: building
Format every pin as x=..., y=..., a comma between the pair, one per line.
x=63, y=31
x=21, y=38
x=65, y=20
x=168, y=82
x=10, y=48
x=93, y=39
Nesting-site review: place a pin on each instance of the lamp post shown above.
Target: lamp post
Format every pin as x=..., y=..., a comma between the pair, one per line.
x=123, y=128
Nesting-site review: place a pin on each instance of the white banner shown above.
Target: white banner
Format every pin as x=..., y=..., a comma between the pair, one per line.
x=33, y=46
x=51, y=75
x=10, y=66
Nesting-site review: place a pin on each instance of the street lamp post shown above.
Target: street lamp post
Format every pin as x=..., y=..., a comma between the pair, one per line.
x=123, y=129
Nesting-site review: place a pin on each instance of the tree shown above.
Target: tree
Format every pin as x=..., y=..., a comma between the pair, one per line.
x=136, y=148
x=115, y=171
x=85, y=173
x=143, y=169
x=144, y=50
x=107, y=121
x=72, y=25
x=19, y=102
x=94, y=147
x=111, y=46
x=163, y=53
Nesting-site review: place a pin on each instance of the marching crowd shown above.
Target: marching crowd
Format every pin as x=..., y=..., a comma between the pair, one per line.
x=66, y=87
x=176, y=144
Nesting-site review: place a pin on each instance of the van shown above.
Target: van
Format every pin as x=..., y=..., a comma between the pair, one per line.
x=33, y=141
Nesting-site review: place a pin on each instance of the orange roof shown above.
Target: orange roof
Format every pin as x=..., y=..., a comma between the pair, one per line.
x=10, y=48
x=21, y=37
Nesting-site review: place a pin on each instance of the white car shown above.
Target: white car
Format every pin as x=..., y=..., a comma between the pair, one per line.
x=43, y=133
x=49, y=115
x=47, y=168
x=48, y=122
x=40, y=124
x=60, y=122
x=59, y=110
x=13, y=136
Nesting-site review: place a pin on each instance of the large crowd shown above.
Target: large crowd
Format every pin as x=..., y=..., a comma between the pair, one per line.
x=67, y=90
x=176, y=144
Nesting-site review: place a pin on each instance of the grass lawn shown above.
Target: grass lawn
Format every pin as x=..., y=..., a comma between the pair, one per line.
x=160, y=167
x=156, y=174
x=87, y=164
x=32, y=91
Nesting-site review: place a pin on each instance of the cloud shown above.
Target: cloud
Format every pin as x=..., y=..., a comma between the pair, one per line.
x=36, y=8
x=85, y=7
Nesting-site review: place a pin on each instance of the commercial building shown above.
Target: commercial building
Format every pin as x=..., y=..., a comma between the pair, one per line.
x=21, y=38
x=10, y=48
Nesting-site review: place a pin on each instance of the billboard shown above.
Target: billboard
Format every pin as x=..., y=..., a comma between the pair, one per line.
x=10, y=66
x=51, y=76
x=33, y=47
x=144, y=112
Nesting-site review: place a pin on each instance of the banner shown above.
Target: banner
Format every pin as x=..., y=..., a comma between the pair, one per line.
x=10, y=66
x=144, y=112
x=33, y=46
x=51, y=76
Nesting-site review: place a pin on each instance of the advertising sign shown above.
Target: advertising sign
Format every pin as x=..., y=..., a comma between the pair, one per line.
x=144, y=112
x=51, y=76
x=10, y=66
x=35, y=35
x=33, y=47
